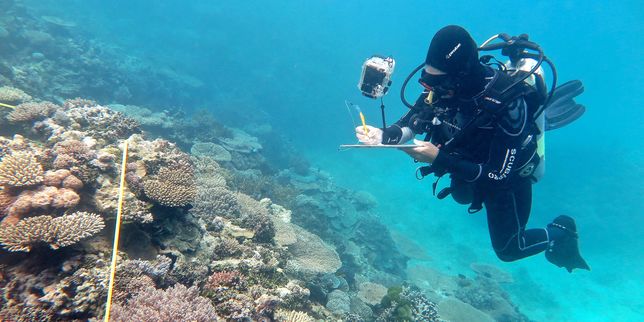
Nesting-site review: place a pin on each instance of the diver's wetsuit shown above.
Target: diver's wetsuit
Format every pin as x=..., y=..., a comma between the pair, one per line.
x=485, y=167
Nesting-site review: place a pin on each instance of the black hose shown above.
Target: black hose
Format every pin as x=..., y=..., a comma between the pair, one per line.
x=552, y=88
x=404, y=85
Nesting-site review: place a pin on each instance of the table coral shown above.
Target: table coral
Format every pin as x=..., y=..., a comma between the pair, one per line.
x=20, y=169
x=57, y=232
x=209, y=149
x=371, y=293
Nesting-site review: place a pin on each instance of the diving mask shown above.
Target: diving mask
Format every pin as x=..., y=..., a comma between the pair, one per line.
x=441, y=84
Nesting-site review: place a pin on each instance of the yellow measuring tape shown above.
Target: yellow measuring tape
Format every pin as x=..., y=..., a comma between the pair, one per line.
x=7, y=105
x=117, y=234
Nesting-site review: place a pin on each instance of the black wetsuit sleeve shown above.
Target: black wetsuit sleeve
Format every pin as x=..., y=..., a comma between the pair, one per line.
x=394, y=133
x=504, y=153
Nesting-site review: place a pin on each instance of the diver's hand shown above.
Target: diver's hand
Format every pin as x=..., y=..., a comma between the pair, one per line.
x=426, y=152
x=372, y=137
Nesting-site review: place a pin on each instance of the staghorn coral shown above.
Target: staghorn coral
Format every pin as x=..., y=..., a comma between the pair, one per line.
x=57, y=232
x=13, y=95
x=20, y=169
x=31, y=111
x=171, y=187
x=177, y=303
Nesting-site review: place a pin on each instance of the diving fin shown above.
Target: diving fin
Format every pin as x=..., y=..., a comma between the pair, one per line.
x=562, y=115
x=563, y=250
x=562, y=108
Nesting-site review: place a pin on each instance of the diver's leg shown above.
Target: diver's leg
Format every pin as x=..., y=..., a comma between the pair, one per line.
x=508, y=211
x=462, y=192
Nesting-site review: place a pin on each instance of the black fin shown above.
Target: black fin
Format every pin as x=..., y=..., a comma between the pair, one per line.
x=562, y=108
x=563, y=115
x=564, y=251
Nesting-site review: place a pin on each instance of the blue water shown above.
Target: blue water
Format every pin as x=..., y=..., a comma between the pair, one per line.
x=291, y=64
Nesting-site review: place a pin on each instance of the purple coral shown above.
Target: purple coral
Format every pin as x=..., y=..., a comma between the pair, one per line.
x=177, y=303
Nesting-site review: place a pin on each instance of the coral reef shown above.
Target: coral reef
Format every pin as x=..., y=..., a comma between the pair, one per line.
x=371, y=293
x=177, y=303
x=27, y=112
x=13, y=95
x=212, y=150
x=311, y=256
x=20, y=170
x=407, y=303
x=172, y=187
x=292, y=316
x=268, y=236
x=56, y=232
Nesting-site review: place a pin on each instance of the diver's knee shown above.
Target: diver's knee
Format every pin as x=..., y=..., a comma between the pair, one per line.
x=506, y=256
x=462, y=192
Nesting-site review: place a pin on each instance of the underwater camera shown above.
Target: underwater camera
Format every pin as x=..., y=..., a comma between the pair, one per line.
x=376, y=76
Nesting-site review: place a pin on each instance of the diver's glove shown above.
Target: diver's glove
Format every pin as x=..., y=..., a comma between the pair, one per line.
x=373, y=136
x=391, y=135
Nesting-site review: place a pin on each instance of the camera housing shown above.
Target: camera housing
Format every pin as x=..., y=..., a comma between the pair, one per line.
x=376, y=76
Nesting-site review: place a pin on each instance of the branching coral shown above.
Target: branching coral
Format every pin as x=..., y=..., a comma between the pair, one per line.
x=57, y=232
x=172, y=187
x=177, y=303
x=31, y=111
x=20, y=169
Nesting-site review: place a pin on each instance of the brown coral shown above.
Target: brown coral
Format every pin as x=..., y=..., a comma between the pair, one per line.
x=65, y=198
x=172, y=187
x=55, y=178
x=31, y=111
x=57, y=232
x=41, y=199
x=72, y=182
x=20, y=169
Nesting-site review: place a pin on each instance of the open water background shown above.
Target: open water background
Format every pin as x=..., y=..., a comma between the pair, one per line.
x=291, y=64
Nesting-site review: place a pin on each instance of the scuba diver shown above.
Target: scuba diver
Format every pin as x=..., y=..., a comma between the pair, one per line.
x=482, y=127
